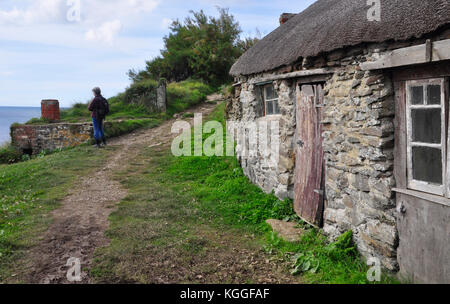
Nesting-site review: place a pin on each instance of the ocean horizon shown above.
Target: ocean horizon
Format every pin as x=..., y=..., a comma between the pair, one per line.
x=10, y=115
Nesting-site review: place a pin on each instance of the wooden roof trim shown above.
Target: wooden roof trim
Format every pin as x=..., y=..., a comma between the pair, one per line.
x=298, y=74
x=419, y=54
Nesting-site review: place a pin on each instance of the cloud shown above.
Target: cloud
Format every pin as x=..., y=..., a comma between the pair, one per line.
x=143, y=6
x=105, y=33
x=165, y=23
x=37, y=12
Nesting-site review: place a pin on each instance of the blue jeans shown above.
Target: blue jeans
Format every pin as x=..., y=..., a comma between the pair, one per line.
x=99, y=134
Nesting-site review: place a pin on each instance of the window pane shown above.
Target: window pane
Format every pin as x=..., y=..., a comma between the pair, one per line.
x=426, y=125
x=270, y=92
x=275, y=93
x=417, y=95
x=269, y=108
x=434, y=94
x=277, y=108
x=427, y=164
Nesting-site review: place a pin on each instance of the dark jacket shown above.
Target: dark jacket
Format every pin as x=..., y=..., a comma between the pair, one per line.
x=95, y=104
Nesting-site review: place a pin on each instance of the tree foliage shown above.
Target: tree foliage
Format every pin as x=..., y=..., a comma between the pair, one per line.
x=202, y=47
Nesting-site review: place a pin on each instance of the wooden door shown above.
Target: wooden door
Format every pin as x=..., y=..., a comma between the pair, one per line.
x=309, y=182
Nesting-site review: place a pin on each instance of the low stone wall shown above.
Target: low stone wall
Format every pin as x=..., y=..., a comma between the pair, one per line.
x=33, y=139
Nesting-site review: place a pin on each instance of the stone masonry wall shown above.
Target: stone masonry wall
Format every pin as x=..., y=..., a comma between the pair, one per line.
x=246, y=108
x=358, y=141
x=36, y=138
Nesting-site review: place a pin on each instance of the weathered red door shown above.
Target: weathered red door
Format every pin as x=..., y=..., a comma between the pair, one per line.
x=309, y=190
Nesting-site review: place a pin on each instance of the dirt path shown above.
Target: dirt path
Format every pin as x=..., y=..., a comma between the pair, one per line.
x=79, y=225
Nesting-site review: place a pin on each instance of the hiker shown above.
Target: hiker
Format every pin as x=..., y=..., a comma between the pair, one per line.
x=100, y=108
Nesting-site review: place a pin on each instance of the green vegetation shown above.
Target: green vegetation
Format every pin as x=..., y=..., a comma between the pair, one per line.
x=133, y=103
x=226, y=195
x=201, y=47
x=29, y=191
x=185, y=94
x=118, y=128
x=175, y=200
x=141, y=93
x=38, y=121
x=118, y=107
x=9, y=154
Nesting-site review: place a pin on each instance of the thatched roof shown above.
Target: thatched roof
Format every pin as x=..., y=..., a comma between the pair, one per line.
x=328, y=25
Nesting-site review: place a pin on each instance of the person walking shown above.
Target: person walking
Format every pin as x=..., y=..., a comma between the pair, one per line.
x=100, y=108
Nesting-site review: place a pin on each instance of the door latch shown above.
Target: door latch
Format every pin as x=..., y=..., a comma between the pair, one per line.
x=301, y=143
x=401, y=208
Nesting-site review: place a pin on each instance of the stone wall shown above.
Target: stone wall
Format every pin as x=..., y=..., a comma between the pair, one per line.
x=36, y=138
x=246, y=108
x=358, y=142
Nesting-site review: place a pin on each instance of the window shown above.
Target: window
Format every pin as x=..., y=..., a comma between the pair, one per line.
x=270, y=100
x=427, y=135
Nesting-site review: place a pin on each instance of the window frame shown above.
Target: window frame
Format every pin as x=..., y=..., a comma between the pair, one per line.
x=413, y=184
x=273, y=100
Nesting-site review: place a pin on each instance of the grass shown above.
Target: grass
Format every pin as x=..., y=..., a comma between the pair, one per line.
x=175, y=203
x=118, y=128
x=29, y=191
x=133, y=103
x=186, y=219
x=185, y=94
x=9, y=154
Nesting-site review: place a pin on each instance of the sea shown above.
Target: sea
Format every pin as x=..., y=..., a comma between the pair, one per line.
x=10, y=115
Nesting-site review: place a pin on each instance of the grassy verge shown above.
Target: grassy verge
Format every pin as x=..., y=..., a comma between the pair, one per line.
x=29, y=191
x=9, y=154
x=173, y=201
x=132, y=104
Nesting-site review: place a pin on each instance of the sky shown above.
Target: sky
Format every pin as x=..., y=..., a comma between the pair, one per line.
x=61, y=49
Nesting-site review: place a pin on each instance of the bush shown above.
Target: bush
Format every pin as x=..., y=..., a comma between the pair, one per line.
x=202, y=47
x=78, y=111
x=9, y=154
x=141, y=93
x=185, y=94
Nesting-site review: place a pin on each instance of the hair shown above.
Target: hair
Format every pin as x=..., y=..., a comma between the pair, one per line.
x=97, y=91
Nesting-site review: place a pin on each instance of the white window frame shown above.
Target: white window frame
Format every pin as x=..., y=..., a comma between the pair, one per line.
x=273, y=100
x=413, y=184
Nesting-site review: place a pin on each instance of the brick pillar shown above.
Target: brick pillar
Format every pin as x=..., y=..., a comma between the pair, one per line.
x=50, y=110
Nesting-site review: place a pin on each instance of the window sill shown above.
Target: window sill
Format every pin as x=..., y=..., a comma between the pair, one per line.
x=425, y=196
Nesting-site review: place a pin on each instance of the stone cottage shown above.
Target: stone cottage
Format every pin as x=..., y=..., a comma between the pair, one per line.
x=363, y=109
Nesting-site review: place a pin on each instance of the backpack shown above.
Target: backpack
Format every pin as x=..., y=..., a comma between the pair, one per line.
x=103, y=108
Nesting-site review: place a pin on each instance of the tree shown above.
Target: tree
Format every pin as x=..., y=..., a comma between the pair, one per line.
x=201, y=47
